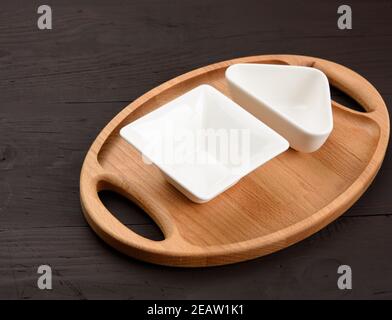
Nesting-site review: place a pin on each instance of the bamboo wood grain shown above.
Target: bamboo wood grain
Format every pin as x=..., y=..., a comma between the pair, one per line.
x=281, y=203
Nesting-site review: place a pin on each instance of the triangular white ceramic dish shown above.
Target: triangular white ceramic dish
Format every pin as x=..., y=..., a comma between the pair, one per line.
x=294, y=101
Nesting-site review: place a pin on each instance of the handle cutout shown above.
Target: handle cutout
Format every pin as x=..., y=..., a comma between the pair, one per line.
x=131, y=215
x=345, y=100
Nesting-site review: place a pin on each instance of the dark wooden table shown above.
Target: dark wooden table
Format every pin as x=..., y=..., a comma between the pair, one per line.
x=59, y=87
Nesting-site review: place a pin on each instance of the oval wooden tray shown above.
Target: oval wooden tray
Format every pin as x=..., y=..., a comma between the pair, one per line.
x=281, y=203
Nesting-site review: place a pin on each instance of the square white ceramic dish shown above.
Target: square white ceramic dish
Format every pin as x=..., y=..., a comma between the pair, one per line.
x=203, y=142
x=295, y=101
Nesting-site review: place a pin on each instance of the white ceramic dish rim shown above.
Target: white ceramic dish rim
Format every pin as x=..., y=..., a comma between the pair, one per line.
x=329, y=128
x=257, y=160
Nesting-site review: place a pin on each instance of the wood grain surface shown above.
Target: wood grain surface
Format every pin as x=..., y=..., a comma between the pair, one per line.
x=60, y=87
x=278, y=204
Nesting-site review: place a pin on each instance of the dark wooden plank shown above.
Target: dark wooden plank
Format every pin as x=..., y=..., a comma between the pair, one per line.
x=84, y=267
x=100, y=51
x=58, y=89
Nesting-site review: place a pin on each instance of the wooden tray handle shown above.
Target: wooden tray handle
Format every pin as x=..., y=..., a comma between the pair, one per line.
x=117, y=234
